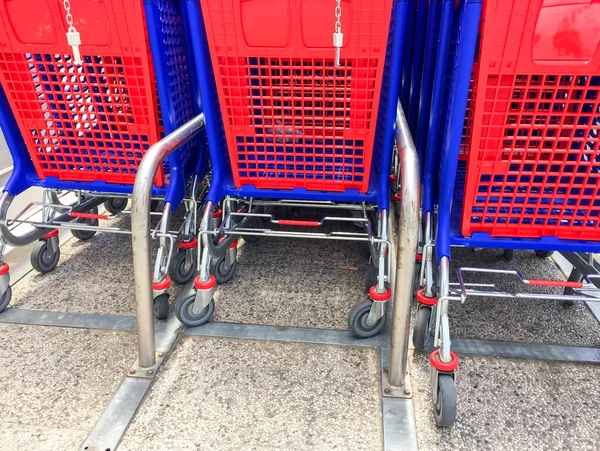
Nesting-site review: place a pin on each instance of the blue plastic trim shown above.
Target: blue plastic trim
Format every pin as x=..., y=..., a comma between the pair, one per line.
x=399, y=27
x=176, y=189
x=433, y=134
x=202, y=161
x=417, y=65
x=433, y=24
x=209, y=102
x=179, y=170
x=409, y=37
x=467, y=28
x=96, y=186
x=483, y=240
x=22, y=164
x=299, y=194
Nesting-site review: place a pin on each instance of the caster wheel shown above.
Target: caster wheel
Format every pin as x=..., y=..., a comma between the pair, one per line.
x=421, y=332
x=154, y=205
x=508, y=254
x=575, y=276
x=445, y=408
x=358, y=215
x=255, y=223
x=185, y=314
x=221, y=274
x=178, y=271
x=161, y=306
x=417, y=277
x=370, y=277
x=544, y=254
x=5, y=299
x=357, y=321
x=84, y=235
x=251, y=238
x=116, y=205
x=41, y=260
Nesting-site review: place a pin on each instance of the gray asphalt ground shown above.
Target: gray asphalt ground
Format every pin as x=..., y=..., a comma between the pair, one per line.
x=56, y=383
x=242, y=394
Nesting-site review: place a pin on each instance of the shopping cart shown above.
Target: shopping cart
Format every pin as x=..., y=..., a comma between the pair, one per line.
x=288, y=126
x=418, y=80
x=520, y=169
x=79, y=118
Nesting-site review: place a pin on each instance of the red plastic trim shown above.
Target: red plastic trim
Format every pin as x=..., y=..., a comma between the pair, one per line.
x=380, y=297
x=555, y=283
x=393, y=177
x=188, y=244
x=210, y=283
x=419, y=257
x=51, y=234
x=292, y=222
x=4, y=269
x=233, y=245
x=397, y=197
x=449, y=367
x=217, y=214
x=422, y=299
x=88, y=215
x=163, y=285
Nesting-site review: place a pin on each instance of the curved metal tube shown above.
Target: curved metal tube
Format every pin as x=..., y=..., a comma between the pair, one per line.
x=36, y=233
x=408, y=238
x=140, y=234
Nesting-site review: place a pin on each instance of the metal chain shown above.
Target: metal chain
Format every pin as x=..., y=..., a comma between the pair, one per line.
x=338, y=16
x=69, y=17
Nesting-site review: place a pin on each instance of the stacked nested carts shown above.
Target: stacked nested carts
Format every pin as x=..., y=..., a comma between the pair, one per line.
x=289, y=127
x=83, y=126
x=511, y=155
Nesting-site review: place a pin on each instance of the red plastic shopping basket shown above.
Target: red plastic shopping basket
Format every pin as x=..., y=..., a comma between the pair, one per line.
x=292, y=119
x=89, y=122
x=534, y=160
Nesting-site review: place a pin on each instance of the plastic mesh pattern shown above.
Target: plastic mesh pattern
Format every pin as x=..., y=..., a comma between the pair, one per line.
x=179, y=82
x=91, y=122
x=534, y=162
x=292, y=119
x=80, y=120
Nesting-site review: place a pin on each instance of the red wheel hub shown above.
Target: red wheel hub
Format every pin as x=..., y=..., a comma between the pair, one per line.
x=422, y=299
x=443, y=367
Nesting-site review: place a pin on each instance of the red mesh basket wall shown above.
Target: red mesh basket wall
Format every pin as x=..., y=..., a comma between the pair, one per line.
x=534, y=160
x=91, y=122
x=292, y=119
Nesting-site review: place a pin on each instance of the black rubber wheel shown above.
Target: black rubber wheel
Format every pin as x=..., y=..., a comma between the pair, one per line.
x=154, y=205
x=184, y=313
x=41, y=261
x=421, y=333
x=416, y=277
x=444, y=410
x=161, y=306
x=544, y=254
x=5, y=299
x=254, y=223
x=508, y=254
x=370, y=277
x=218, y=270
x=177, y=270
x=84, y=235
x=575, y=276
x=357, y=321
x=116, y=205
